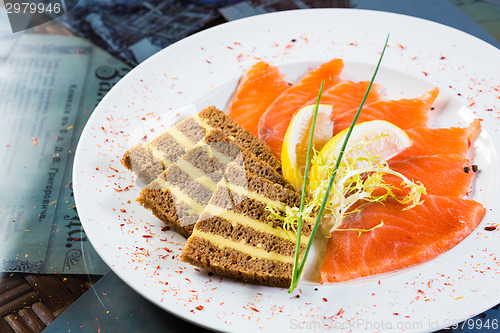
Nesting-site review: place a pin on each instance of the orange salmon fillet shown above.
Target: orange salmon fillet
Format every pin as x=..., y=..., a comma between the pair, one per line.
x=404, y=113
x=275, y=120
x=256, y=90
x=433, y=141
x=407, y=237
x=446, y=175
x=347, y=95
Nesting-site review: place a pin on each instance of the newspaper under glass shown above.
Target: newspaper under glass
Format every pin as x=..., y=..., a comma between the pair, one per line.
x=49, y=86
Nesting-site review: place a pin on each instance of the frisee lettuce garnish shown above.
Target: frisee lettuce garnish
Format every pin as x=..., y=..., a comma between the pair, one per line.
x=358, y=178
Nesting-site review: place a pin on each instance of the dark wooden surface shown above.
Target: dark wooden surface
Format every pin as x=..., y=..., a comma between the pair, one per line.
x=30, y=302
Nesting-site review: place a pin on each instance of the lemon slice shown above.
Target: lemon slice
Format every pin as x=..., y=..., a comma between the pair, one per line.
x=296, y=141
x=381, y=138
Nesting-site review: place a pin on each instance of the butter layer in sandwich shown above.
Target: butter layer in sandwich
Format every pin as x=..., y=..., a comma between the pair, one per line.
x=235, y=236
x=149, y=160
x=180, y=193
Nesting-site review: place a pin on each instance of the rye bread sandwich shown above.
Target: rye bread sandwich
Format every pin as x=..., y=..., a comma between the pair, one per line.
x=235, y=236
x=180, y=193
x=149, y=160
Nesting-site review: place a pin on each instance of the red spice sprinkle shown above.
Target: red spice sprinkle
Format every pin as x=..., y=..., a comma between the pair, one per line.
x=341, y=311
x=297, y=296
x=254, y=309
x=490, y=228
x=425, y=73
x=123, y=210
x=35, y=141
x=324, y=299
x=200, y=307
x=147, y=236
x=420, y=291
x=395, y=313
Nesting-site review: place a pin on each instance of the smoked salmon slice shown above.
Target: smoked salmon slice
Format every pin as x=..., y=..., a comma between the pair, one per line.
x=445, y=175
x=275, y=120
x=433, y=141
x=256, y=90
x=404, y=113
x=347, y=95
x=406, y=238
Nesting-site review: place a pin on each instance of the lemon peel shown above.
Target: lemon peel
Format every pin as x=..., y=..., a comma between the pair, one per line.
x=294, y=149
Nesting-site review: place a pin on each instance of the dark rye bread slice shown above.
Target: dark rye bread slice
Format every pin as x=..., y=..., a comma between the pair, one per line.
x=148, y=161
x=179, y=195
x=219, y=120
x=235, y=151
x=165, y=195
x=235, y=237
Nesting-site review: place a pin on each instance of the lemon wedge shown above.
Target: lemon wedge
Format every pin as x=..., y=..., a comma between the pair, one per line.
x=296, y=140
x=379, y=137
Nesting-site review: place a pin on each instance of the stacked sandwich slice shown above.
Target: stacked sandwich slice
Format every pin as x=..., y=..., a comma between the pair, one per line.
x=211, y=180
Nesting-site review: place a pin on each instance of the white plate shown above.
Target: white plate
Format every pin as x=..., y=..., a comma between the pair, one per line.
x=203, y=69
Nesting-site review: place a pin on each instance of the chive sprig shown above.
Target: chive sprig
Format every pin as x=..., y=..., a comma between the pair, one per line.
x=298, y=268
